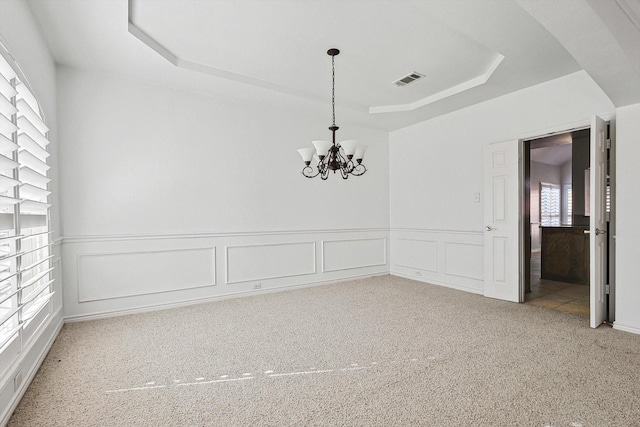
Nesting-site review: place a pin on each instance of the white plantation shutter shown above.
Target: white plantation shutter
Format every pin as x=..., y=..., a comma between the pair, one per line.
x=549, y=204
x=567, y=203
x=25, y=246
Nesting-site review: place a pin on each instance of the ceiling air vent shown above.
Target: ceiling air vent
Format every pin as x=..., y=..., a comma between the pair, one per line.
x=409, y=78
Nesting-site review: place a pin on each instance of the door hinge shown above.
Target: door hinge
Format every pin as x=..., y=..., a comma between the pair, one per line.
x=607, y=289
x=609, y=144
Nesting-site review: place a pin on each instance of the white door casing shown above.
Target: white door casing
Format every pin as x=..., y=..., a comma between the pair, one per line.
x=597, y=223
x=501, y=218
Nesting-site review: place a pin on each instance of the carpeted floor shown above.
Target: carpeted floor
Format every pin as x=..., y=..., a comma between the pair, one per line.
x=381, y=351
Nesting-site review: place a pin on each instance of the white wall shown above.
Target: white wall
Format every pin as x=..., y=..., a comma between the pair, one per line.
x=436, y=167
x=540, y=172
x=20, y=34
x=627, y=213
x=153, y=174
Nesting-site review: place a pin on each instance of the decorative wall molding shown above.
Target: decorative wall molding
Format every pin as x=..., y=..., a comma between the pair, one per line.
x=273, y=258
x=350, y=257
x=453, y=267
x=206, y=235
x=415, y=263
x=250, y=262
x=193, y=301
x=451, y=258
x=436, y=230
x=163, y=273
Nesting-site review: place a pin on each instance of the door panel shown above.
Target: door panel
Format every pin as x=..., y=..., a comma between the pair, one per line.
x=597, y=224
x=501, y=210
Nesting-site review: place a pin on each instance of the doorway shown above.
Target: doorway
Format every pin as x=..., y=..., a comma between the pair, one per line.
x=557, y=219
x=507, y=233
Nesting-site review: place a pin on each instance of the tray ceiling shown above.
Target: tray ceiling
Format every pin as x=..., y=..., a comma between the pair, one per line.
x=274, y=52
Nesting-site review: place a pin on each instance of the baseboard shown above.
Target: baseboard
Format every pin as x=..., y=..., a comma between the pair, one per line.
x=184, y=303
x=57, y=326
x=437, y=283
x=625, y=328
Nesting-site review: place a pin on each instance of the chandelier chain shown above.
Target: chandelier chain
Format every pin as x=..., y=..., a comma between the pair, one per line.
x=333, y=88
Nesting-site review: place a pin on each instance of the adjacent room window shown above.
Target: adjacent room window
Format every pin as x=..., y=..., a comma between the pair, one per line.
x=549, y=204
x=25, y=249
x=567, y=204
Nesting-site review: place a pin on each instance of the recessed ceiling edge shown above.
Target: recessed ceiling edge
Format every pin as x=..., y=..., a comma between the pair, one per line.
x=454, y=90
x=153, y=44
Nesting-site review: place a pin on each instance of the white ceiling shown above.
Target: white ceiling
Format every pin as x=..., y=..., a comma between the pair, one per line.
x=273, y=53
x=556, y=155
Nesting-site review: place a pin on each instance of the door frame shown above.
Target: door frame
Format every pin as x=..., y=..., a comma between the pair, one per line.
x=524, y=226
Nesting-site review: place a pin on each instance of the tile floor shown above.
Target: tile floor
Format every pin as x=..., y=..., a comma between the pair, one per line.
x=560, y=296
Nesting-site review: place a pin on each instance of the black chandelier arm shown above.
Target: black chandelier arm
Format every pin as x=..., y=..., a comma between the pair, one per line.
x=349, y=166
x=323, y=165
x=307, y=171
x=358, y=170
x=345, y=169
x=344, y=173
x=341, y=159
x=324, y=173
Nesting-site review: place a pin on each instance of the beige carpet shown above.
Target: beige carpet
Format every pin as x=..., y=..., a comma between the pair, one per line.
x=382, y=351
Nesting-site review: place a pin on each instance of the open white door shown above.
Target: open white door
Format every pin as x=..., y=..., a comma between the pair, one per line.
x=597, y=224
x=501, y=209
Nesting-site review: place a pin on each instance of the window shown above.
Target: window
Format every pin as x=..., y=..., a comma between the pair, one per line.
x=549, y=204
x=25, y=249
x=567, y=205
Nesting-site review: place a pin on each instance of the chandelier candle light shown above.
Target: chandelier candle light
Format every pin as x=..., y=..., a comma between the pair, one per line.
x=329, y=155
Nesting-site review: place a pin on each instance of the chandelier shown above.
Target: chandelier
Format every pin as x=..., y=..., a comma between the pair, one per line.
x=345, y=157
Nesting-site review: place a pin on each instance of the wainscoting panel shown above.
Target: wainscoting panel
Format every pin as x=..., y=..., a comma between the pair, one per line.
x=270, y=261
x=464, y=260
x=338, y=255
x=451, y=258
x=112, y=275
x=116, y=275
x=416, y=254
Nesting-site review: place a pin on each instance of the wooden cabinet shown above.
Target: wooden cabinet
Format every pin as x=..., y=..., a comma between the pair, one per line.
x=565, y=254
